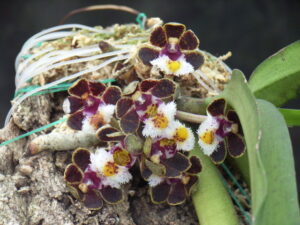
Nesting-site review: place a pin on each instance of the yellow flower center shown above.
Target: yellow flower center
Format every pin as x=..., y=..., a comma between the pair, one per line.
x=208, y=137
x=110, y=169
x=166, y=142
x=173, y=66
x=151, y=110
x=181, y=134
x=121, y=157
x=160, y=121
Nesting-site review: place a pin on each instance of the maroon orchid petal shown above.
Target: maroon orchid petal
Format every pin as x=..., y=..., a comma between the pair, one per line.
x=236, y=145
x=233, y=117
x=165, y=88
x=146, y=55
x=195, y=58
x=191, y=184
x=196, y=166
x=177, y=194
x=81, y=157
x=111, y=95
x=178, y=161
x=174, y=29
x=75, y=120
x=111, y=195
x=92, y=200
x=146, y=85
x=123, y=106
x=107, y=134
x=219, y=155
x=73, y=174
x=96, y=88
x=217, y=107
x=129, y=123
x=166, y=148
x=160, y=193
x=74, y=103
x=158, y=37
x=80, y=89
x=189, y=41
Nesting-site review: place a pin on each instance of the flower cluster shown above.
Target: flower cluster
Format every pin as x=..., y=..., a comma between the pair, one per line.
x=141, y=128
x=221, y=133
x=173, y=50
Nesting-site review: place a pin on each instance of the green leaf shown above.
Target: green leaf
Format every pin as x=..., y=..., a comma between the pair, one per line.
x=211, y=200
x=277, y=79
x=273, y=188
x=281, y=202
x=291, y=116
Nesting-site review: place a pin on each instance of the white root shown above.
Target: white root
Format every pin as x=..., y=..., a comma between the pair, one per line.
x=59, y=141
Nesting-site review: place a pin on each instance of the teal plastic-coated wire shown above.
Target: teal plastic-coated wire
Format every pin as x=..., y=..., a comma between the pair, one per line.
x=140, y=19
x=33, y=131
x=232, y=195
x=235, y=181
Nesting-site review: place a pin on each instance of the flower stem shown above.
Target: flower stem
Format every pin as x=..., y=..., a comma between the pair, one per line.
x=211, y=200
x=190, y=117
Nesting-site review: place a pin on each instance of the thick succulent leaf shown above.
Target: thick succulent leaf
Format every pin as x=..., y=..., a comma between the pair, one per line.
x=81, y=157
x=73, y=175
x=269, y=151
x=111, y=195
x=160, y=193
x=211, y=200
x=92, y=200
x=277, y=79
x=291, y=116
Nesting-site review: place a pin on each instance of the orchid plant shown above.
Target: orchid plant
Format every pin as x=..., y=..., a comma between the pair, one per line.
x=145, y=125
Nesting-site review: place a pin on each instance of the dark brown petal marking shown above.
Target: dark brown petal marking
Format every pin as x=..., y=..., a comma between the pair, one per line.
x=158, y=37
x=195, y=58
x=111, y=95
x=80, y=88
x=178, y=162
x=129, y=123
x=146, y=85
x=164, y=88
x=75, y=120
x=111, y=195
x=196, y=166
x=103, y=133
x=217, y=107
x=92, y=200
x=75, y=103
x=233, y=116
x=177, y=194
x=81, y=157
x=123, y=105
x=236, y=145
x=191, y=183
x=189, y=41
x=219, y=155
x=73, y=174
x=96, y=88
x=174, y=29
x=147, y=54
x=160, y=193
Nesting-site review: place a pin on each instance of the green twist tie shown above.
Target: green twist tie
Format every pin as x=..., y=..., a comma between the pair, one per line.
x=33, y=131
x=140, y=19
